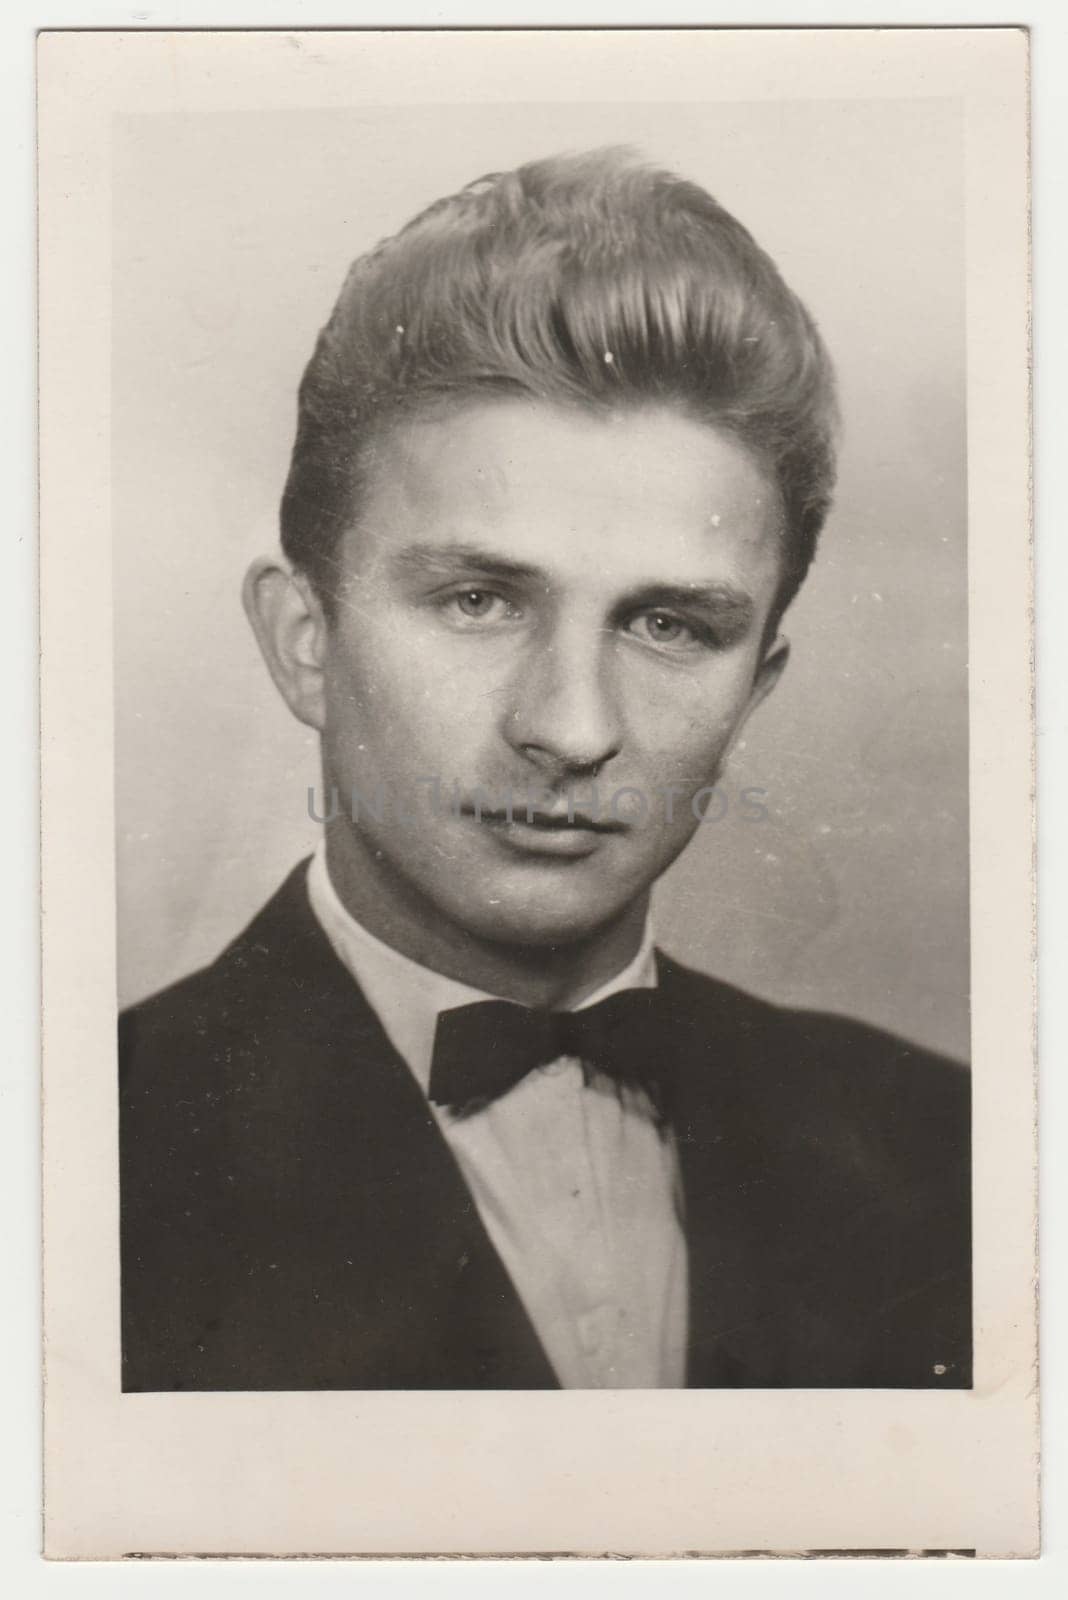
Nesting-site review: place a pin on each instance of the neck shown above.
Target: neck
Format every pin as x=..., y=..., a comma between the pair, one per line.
x=553, y=976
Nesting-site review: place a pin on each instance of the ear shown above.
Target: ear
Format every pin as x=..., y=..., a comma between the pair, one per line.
x=287, y=619
x=770, y=671
x=767, y=676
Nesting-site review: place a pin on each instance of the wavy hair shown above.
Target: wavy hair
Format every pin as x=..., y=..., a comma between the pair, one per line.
x=592, y=280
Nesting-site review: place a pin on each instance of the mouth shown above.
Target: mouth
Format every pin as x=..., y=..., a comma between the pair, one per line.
x=546, y=832
x=546, y=821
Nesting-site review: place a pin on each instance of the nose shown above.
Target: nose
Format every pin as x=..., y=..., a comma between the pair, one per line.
x=564, y=713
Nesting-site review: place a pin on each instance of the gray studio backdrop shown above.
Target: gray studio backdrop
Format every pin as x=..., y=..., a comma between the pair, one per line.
x=232, y=235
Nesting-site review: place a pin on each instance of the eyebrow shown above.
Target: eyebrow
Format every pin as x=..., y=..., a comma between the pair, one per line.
x=728, y=604
x=444, y=561
x=723, y=600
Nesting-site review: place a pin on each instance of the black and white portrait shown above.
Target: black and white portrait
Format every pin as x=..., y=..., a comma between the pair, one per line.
x=543, y=902
x=536, y=793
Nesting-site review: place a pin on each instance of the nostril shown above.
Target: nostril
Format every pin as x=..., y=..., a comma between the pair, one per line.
x=556, y=766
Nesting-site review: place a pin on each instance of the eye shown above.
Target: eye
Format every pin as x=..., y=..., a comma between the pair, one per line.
x=660, y=627
x=475, y=602
x=478, y=605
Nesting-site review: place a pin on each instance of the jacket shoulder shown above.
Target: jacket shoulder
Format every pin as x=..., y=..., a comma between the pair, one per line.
x=830, y=1039
x=186, y=1014
x=830, y=1196
x=205, y=1014
x=859, y=1098
x=231, y=1082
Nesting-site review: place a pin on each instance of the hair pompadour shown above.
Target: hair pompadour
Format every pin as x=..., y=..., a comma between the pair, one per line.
x=594, y=280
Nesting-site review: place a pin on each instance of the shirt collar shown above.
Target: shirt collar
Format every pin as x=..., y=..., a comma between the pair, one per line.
x=406, y=996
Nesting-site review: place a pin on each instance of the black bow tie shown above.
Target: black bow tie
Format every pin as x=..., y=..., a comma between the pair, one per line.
x=482, y=1050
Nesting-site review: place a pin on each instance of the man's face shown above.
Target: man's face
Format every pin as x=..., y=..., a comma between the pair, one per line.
x=542, y=601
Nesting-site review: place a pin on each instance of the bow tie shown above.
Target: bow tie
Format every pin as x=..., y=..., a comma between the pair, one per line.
x=483, y=1050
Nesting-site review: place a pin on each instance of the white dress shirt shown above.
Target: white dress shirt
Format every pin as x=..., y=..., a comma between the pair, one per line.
x=575, y=1184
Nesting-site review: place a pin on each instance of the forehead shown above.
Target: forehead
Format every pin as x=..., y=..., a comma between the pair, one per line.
x=643, y=492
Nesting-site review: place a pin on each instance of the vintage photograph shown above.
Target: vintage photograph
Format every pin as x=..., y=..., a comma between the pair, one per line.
x=446, y=1114
x=542, y=776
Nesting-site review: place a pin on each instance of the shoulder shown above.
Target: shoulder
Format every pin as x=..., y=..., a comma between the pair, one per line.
x=829, y=1190
x=249, y=1043
x=803, y=1039
x=209, y=1075
x=855, y=1093
x=219, y=1061
x=206, y=1013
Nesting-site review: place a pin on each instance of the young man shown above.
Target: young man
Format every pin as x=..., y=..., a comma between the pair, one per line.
x=443, y=1117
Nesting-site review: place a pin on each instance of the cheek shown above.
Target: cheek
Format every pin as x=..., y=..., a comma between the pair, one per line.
x=391, y=703
x=686, y=731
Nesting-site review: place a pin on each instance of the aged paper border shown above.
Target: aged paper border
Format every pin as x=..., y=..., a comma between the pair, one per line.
x=580, y=1473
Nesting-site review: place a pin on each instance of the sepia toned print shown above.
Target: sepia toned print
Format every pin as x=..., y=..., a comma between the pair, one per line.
x=549, y=1070
x=564, y=451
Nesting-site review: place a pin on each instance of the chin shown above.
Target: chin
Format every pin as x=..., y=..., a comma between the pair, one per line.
x=538, y=924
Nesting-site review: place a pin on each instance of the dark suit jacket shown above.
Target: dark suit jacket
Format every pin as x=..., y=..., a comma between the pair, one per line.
x=293, y=1219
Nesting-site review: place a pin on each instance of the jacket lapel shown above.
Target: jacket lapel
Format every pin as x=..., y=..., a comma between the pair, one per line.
x=739, y=1270
x=419, y=1296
